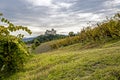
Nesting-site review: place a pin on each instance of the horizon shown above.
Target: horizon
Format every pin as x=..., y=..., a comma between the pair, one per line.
x=62, y=15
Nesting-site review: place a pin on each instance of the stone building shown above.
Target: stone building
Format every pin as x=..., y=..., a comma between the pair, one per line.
x=50, y=32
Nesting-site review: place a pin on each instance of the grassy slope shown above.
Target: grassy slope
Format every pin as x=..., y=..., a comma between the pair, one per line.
x=74, y=63
x=44, y=47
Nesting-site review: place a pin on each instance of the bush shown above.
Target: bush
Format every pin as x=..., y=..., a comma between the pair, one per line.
x=102, y=32
x=12, y=54
x=12, y=49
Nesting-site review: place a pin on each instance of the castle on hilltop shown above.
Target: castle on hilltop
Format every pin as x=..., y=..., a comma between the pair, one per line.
x=50, y=32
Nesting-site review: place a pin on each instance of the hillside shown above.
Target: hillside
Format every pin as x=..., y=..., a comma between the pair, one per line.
x=74, y=62
x=43, y=47
x=46, y=38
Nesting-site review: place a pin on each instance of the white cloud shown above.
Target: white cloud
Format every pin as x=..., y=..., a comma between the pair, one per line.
x=96, y=17
x=65, y=5
x=83, y=15
x=90, y=16
x=110, y=7
x=49, y=3
x=40, y=2
x=59, y=15
x=111, y=3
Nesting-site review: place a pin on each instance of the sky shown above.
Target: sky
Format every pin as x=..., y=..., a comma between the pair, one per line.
x=62, y=15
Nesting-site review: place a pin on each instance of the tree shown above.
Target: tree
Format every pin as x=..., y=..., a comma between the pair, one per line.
x=71, y=34
x=13, y=51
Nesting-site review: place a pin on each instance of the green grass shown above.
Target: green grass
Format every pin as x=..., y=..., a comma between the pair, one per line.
x=74, y=63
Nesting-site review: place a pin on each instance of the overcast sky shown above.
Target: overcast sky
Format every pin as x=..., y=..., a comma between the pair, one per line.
x=62, y=15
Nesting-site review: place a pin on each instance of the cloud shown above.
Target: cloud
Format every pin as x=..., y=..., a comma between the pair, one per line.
x=49, y=3
x=40, y=2
x=111, y=3
x=63, y=15
x=91, y=17
x=65, y=5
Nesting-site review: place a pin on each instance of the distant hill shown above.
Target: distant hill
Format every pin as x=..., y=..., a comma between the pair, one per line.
x=46, y=38
x=28, y=39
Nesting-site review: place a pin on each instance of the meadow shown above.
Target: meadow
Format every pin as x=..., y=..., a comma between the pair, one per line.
x=74, y=62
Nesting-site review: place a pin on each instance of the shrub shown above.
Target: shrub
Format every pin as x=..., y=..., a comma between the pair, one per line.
x=12, y=54
x=12, y=49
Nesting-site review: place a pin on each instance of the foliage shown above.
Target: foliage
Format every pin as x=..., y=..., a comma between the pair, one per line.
x=36, y=42
x=71, y=34
x=12, y=50
x=65, y=42
x=102, y=32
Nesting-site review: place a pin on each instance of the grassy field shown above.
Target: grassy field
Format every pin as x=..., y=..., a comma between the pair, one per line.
x=75, y=62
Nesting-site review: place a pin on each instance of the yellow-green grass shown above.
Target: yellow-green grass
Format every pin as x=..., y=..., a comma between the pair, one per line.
x=45, y=47
x=73, y=63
